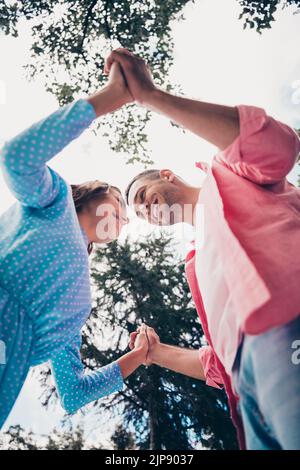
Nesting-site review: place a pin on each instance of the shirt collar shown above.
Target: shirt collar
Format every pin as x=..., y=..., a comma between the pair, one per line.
x=203, y=166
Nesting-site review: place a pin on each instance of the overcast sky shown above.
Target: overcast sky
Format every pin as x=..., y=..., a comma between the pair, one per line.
x=215, y=60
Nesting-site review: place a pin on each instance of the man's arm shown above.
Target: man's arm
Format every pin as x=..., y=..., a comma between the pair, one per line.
x=198, y=364
x=253, y=145
x=183, y=361
x=217, y=124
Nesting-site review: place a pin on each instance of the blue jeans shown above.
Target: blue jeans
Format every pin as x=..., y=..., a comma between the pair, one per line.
x=266, y=376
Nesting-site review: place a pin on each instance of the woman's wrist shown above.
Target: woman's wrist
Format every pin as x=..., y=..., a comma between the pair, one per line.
x=140, y=354
x=131, y=361
x=109, y=99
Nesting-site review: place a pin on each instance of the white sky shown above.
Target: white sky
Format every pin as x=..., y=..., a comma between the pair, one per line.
x=215, y=60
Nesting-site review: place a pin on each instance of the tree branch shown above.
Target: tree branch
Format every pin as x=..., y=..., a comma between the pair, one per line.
x=86, y=25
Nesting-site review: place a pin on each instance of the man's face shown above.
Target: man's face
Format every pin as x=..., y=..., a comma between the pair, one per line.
x=158, y=201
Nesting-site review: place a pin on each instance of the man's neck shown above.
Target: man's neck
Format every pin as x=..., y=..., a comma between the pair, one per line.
x=190, y=199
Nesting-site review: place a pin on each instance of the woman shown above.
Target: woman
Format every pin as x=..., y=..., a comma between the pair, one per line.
x=45, y=239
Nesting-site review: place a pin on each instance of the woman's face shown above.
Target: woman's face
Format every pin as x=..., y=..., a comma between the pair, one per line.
x=108, y=217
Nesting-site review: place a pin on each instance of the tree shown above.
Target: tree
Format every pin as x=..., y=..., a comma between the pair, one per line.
x=143, y=282
x=17, y=438
x=122, y=439
x=260, y=14
x=71, y=440
x=71, y=39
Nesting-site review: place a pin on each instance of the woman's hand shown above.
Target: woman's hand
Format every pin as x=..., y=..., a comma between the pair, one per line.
x=114, y=95
x=138, y=356
x=141, y=343
x=137, y=73
x=153, y=342
x=117, y=83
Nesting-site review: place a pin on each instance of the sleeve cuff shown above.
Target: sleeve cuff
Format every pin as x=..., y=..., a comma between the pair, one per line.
x=116, y=377
x=86, y=111
x=211, y=373
x=252, y=120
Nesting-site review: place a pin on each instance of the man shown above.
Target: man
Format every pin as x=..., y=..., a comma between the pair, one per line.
x=244, y=271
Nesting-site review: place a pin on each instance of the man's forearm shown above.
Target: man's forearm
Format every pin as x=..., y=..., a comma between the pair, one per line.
x=217, y=124
x=183, y=361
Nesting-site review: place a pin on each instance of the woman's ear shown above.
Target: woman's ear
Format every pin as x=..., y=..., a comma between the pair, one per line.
x=167, y=175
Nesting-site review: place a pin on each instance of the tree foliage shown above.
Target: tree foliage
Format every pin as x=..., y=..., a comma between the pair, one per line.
x=261, y=14
x=17, y=438
x=142, y=282
x=70, y=39
x=122, y=439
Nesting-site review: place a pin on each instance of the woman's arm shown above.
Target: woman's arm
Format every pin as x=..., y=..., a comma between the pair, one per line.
x=76, y=389
x=23, y=159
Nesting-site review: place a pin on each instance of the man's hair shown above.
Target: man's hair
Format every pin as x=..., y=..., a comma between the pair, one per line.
x=149, y=174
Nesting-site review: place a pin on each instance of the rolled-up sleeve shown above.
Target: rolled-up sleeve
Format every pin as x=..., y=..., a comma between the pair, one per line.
x=265, y=150
x=212, y=375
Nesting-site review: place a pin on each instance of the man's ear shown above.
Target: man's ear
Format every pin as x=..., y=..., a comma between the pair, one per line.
x=167, y=175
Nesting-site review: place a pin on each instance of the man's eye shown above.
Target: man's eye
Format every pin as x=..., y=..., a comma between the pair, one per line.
x=142, y=195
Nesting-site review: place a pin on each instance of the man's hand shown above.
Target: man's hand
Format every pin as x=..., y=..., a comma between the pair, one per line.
x=153, y=342
x=183, y=361
x=137, y=73
x=217, y=124
x=138, y=356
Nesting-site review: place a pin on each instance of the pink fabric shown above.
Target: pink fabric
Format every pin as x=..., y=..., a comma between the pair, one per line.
x=257, y=226
x=212, y=366
x=222, y=318
x=211, y=372
x=266, y=149
x=255, y=215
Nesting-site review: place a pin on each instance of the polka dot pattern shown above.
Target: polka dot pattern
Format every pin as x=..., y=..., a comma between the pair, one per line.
x=45, y=294
x=76, y=389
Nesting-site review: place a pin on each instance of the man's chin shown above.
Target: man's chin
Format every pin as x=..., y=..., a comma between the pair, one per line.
x=170, y=223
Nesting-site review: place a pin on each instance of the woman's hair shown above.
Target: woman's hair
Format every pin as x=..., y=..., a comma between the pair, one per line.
x=86, y=192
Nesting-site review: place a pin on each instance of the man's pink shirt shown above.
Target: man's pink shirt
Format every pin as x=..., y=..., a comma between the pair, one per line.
x=253, y=217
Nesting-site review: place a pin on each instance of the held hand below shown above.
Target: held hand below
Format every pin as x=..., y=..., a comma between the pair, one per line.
x=153, y=342
x=141, y=343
